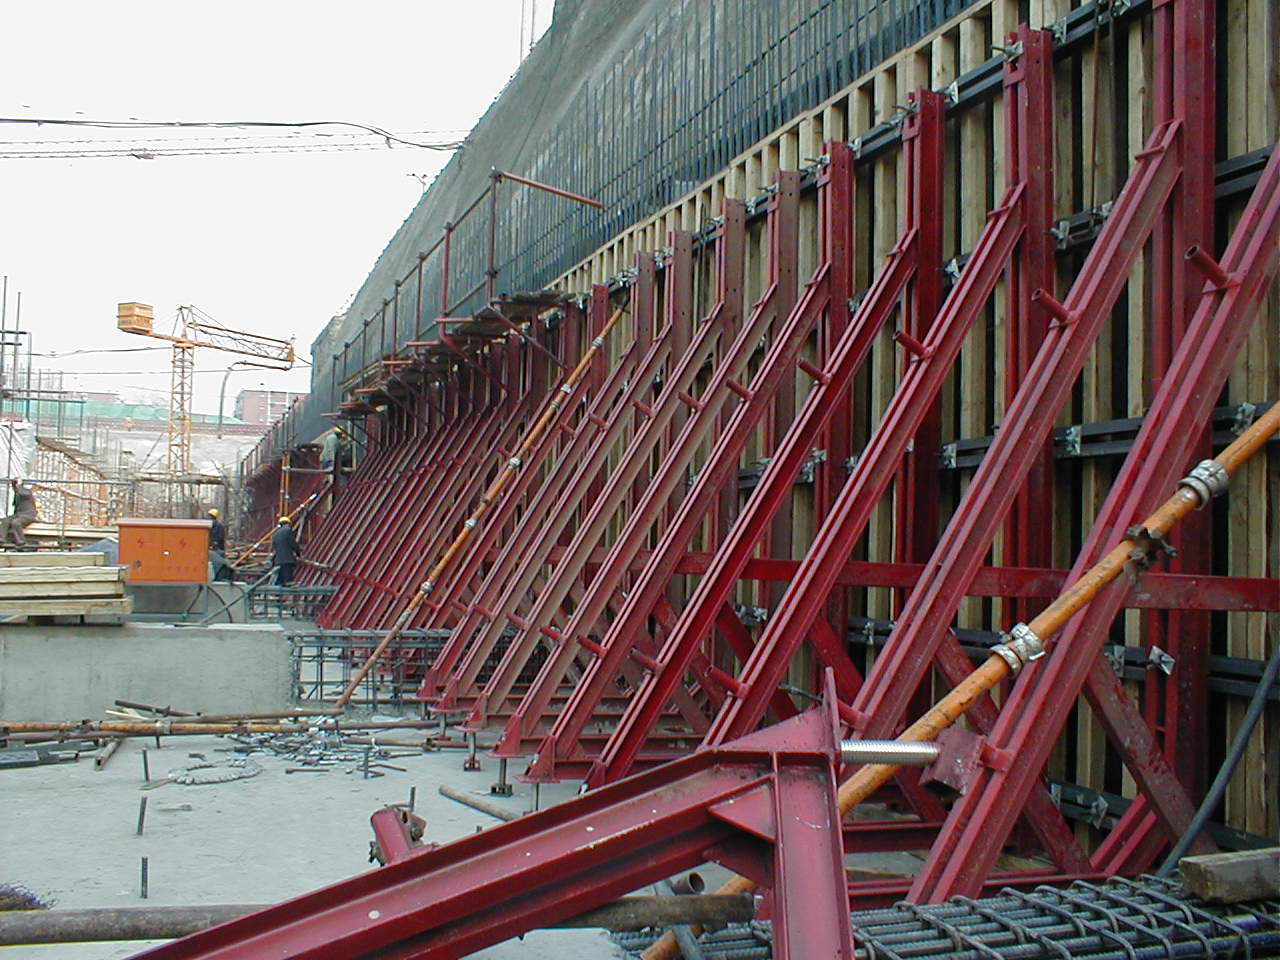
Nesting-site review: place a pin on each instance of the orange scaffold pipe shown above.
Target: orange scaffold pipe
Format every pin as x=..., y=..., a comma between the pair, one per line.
x=1027, y=642
x=499, y=484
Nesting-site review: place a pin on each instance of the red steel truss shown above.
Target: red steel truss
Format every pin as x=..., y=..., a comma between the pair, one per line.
x=591, y=616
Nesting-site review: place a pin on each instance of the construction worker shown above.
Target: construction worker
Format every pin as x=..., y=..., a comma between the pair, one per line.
x=217, y=532
x=334, y=452
x=284, y=551
x=24, y=514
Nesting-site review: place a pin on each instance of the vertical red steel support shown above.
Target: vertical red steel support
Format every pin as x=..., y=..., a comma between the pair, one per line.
x=1184, y=36
x=720, y=325
x=1040, y=702
x=1028, y=540
x=918, y=513
x=773, y=489
x=783, y=244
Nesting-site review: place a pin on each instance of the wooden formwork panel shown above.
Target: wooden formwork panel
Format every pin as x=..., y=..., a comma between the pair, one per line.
x=1103, y=114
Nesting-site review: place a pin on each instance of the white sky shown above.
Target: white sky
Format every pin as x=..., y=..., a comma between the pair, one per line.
x=275, y=244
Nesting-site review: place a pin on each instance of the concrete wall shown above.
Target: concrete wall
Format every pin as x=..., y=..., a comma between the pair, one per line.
x=74, y=672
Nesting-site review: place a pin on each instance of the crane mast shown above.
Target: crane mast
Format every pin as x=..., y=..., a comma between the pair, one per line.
x=195, y=328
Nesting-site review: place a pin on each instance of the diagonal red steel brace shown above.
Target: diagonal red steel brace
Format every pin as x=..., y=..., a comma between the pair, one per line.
x=1044, y=695
x=766, y=805
x=680, y=379
x=719, y=469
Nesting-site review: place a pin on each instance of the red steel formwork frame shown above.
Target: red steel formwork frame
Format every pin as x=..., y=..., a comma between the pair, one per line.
x=829, y=285
x=595, y=533
x=875, y=470
x=504, y=595
x=764, y=806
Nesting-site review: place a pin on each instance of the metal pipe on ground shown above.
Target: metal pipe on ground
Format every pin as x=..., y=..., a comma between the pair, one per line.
x=1027, y=642
x=475, y=803
x=92, y=729
x=20, y=927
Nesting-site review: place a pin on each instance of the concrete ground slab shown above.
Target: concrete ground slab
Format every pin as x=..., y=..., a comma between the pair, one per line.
x=68, y=835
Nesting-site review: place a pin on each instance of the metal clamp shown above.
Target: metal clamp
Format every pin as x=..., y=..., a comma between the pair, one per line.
x=947, y=458
x=1161, y=660
x=751, y=616
x=1098, y=811
x=515, y=463
x=806, y=472
x=1021, y=647
x=1207, y=480
x=1147, y=548
x=1073, y=440
x=1246, y=413
x=471, y=523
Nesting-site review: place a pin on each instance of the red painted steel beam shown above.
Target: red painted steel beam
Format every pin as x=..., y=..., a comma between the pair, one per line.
x=766, y=804
x=462, y=679
x=1028, y=541
x=680, y=379
x=529, y=545
x=773, y=489
x=918, y=502
x=1044, y=695
x=720, y=467
x=782, y=240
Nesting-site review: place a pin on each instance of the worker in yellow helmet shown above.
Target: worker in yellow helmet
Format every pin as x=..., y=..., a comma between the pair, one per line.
x=284, y=551
x=217, y=532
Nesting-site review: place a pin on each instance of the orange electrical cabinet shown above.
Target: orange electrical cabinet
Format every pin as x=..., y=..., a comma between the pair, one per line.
x=164, y=551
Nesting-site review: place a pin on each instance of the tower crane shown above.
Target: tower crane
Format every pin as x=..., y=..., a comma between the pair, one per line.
x=195, y=328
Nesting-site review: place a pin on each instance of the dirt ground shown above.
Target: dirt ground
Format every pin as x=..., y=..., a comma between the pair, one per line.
x=68, y=835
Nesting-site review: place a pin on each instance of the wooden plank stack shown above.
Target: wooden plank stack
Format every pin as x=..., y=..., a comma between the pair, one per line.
x=61, y=584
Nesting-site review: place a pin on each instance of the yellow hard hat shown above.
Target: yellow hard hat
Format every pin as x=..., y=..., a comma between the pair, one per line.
x=213, y=511
x=285, y=520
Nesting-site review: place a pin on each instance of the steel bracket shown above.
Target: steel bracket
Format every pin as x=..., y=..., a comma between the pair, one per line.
x=1246, y=413
x=1161, y=660
x=1147, y=548
x=751, y=616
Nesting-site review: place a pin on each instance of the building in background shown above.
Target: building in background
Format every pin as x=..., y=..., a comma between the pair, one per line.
x=264, y=406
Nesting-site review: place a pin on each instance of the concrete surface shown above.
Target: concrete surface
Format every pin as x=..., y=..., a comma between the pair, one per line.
x=68, y=835
x=72, y=672
x=178, y=600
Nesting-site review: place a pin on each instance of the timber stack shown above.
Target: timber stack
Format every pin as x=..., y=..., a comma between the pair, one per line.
x=58, y=584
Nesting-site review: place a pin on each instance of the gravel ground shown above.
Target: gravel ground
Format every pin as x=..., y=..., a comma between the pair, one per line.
x=68, y=835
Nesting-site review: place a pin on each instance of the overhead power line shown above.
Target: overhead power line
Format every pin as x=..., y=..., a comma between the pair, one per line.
x=307, y=137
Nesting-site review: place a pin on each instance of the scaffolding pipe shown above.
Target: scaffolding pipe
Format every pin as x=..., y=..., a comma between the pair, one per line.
x=495, y=490
x=104, y=924
x=1027, y=642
